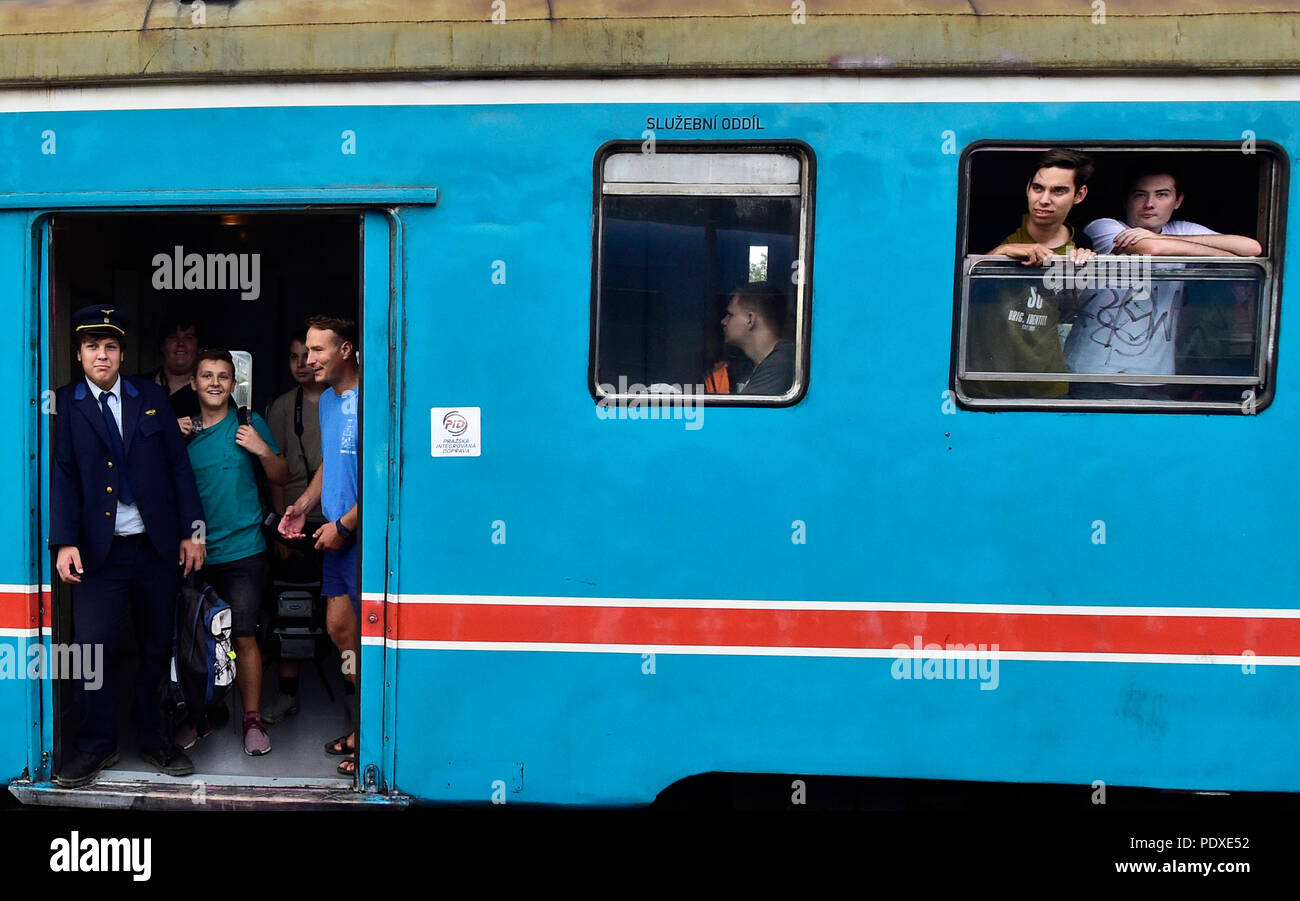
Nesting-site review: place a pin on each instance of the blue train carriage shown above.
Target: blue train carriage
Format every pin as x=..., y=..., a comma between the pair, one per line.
x=592, y=568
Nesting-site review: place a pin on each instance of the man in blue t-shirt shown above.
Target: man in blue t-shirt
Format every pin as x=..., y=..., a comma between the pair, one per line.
x=331, y=353
x=222, y=454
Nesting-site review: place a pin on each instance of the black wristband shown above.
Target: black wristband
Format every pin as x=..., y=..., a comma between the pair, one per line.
x=343, y=530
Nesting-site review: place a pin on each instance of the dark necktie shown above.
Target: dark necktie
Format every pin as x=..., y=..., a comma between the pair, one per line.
x=119, y=449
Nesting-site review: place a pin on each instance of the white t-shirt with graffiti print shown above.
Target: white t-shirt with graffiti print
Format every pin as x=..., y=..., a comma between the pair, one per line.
x=1128, y=329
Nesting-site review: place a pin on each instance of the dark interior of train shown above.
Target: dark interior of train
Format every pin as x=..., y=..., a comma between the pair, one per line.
x=1222, y=190
x=669, y=266
x=305, y=264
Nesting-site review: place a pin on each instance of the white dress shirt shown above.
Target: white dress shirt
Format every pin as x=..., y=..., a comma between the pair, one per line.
x=128, y=520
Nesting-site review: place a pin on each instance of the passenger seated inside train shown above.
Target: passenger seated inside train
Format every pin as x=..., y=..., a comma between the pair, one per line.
x=1013, y=324
x=755, y=324
x=1135, y=328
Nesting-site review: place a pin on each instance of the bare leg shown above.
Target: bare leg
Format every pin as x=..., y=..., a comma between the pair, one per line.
x=341, y=623
x=248, y=672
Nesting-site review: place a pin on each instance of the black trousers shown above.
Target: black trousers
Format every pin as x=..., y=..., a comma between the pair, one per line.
x=134, y=575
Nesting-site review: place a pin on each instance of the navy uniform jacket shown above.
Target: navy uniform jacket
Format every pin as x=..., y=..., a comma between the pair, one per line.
x=157, y=467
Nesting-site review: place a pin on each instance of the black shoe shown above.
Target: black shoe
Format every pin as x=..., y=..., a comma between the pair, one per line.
x=83, y=768
x=170, y=760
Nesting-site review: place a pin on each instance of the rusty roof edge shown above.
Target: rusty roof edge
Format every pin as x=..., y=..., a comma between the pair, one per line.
x=957, y=44
x=276, y=77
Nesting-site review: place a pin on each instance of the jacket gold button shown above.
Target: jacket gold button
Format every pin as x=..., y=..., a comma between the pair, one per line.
x=107, y=513
x=110, y=464
x=109, y=489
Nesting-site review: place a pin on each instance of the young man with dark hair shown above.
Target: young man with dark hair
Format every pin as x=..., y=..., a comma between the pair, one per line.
x=123, y=500
x=223, y=453
x=294, y=418
x=754, y=322
x=332, y=355
x=1133, y=329
x=1059, y=182
x=1016, y=330
x=179, y=348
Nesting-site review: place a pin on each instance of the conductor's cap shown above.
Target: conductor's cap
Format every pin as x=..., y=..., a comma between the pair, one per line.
x=101, y=318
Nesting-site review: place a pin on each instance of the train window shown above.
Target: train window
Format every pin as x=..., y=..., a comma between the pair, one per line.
x=1178, y=310
x=701, y=277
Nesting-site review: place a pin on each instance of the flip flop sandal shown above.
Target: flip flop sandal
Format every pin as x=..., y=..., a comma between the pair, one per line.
x=348, y=765
x=339, y=747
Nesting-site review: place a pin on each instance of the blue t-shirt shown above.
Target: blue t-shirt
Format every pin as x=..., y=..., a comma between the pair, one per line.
x=228, y=488
x=338, y=450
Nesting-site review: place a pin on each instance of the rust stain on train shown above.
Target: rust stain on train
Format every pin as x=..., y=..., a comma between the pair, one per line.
x=119, y=41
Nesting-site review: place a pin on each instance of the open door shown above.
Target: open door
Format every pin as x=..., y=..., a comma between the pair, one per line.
x=381, y=337
x=309, y=261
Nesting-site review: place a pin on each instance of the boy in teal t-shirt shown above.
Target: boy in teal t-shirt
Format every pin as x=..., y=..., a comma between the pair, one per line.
x=228, y=487
x=222, y=454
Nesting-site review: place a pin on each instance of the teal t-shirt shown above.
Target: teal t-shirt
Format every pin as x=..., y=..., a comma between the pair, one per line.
x=228, y=488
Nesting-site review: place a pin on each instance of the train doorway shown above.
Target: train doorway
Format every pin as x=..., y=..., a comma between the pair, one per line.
x=244, y=282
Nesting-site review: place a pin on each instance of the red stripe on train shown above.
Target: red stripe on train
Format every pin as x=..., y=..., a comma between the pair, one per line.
x=20, y=609
x=882, y=629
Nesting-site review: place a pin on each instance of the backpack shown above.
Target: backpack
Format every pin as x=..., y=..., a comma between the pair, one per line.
x=203, y=662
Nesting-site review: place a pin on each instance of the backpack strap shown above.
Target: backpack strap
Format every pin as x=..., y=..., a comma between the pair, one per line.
x=297, y=431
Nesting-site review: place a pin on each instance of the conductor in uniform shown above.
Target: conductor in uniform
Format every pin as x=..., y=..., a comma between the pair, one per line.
x=126, y=520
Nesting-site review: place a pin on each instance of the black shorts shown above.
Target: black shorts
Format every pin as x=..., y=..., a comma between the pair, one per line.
x=240, y=583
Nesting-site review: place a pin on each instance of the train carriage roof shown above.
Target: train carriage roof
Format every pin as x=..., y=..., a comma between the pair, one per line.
x=46, y=42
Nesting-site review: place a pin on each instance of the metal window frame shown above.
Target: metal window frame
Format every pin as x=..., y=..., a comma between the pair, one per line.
x=976, y=261
x=803, y=294
x=1274, y=183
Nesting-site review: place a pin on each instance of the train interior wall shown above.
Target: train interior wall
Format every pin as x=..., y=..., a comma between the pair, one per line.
x=1225, y=187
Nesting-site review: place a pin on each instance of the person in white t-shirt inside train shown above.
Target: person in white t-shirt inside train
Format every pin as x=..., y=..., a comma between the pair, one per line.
x=1133, y=329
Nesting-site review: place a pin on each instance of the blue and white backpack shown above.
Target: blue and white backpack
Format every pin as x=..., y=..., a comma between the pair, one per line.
x=204, y=662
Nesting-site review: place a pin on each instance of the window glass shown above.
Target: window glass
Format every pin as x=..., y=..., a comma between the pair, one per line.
x=1162, y=331
x=684, y=238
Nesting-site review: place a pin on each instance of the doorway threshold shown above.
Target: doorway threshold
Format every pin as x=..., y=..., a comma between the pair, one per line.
x=131, y=790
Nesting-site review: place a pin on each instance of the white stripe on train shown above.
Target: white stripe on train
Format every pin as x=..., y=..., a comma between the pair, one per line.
x=707, y=603
x=880, y=653
x=655, y=93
